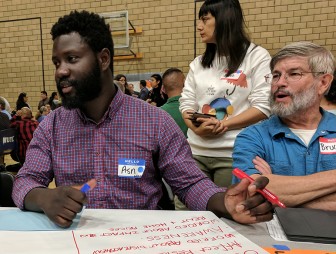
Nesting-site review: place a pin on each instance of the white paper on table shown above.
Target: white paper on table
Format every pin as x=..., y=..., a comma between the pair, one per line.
x=275, y=230
x=159, y=232
x=134, y=232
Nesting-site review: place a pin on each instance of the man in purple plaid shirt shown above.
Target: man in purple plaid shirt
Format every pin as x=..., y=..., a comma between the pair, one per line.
x=99, y=138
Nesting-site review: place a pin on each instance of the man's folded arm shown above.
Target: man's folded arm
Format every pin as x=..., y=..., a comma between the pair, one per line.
x=298, y=190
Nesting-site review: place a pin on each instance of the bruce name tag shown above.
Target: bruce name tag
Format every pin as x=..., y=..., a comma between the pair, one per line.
x=131, y=168
x=327, y=145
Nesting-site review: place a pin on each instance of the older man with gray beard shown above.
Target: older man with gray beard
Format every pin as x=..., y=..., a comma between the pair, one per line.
x=296, y=147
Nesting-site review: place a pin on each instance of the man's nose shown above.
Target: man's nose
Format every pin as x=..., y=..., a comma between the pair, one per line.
x=62, y=71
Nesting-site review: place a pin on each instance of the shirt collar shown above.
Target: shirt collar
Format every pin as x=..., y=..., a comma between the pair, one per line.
x=111, y=111
x=173, y=99
x=326, y=125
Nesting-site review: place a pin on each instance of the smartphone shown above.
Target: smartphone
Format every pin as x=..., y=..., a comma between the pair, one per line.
x=193, y=117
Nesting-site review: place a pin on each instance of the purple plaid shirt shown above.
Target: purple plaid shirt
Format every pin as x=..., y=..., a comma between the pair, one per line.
x=73, y=149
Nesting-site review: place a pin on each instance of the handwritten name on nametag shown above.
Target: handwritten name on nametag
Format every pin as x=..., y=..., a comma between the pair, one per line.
x=327, y=145
x=133, y=168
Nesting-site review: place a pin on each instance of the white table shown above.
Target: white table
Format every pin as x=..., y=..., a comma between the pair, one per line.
x=104, y=230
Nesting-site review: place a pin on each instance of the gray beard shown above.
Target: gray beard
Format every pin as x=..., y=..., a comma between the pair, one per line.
x=300, y=101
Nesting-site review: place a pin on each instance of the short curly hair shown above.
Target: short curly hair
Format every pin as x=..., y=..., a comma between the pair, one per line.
x=90, y=26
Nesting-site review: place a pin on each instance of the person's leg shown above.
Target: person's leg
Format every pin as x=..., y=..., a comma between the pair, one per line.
x=179, y=205
x=205, y=164
x=223, y=171
x=218, y=169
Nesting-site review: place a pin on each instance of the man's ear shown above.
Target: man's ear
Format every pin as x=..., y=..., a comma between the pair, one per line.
x=325, y=81
x=104, y=58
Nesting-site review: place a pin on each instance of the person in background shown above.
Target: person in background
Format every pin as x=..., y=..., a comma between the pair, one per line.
x=122, y=82
x=143, y=95
x=42, y=113
x=22, y=101
x=156, y=97
x=173, y=82
x=226, y=82
x=3, y=108
x=130, y=87
x=4, y=124
x=54, y=101
x=25, y=125
x=4, y=121
x=328, y=101
x=44, y=99
x=48, y=108
x=7, y=107
x=94, y=139
x=295, y=148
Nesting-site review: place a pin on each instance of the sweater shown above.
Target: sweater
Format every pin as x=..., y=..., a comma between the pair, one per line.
x=241, y=90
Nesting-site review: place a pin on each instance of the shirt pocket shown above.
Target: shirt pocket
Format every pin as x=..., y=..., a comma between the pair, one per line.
x=328, y=162
x=281, y=168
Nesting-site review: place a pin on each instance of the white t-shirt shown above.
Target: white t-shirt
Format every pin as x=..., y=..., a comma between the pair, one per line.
x=244, y=89
x=304, y=135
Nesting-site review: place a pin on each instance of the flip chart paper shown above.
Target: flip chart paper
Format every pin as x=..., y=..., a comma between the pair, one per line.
x=17, y=220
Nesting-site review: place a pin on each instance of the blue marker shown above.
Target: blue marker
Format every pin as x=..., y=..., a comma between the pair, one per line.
x=85, y=188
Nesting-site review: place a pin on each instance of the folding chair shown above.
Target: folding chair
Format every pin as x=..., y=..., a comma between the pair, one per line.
x=6, y=188
x=8, y=145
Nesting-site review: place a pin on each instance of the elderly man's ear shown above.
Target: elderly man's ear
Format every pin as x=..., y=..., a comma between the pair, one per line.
x=325, y=82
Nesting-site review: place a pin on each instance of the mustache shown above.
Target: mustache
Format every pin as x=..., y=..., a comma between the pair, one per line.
x=65, y=82
x=282, y=91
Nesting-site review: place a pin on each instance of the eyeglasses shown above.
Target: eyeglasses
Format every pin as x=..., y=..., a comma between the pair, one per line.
x=291, y=76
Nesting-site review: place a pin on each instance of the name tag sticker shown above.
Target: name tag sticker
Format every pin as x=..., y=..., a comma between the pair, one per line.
x=327, y=145
x=233, y=76
x=133, y=168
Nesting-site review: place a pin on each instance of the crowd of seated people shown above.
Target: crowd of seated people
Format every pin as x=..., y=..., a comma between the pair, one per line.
x=270, y=125
x=25, y=125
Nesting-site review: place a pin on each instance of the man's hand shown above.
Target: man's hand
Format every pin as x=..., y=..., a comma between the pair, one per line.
x=245, y=204
x=61, y=204
x=262, y=166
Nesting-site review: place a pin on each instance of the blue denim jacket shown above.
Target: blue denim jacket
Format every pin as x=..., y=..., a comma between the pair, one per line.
x=282, y=149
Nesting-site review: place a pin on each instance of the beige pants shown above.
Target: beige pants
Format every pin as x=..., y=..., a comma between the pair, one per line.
x=218, y=169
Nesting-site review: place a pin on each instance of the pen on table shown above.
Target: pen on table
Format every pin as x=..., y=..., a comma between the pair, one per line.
x=266, y=193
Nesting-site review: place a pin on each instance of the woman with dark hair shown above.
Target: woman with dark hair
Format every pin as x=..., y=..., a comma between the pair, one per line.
x=22, y=101
x=328, y=101
x=156, y=96
x=226, y=82
x=54, y=101
x=121, y=81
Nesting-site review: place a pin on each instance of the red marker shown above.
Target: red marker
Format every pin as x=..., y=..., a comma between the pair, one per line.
x=266, y=193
